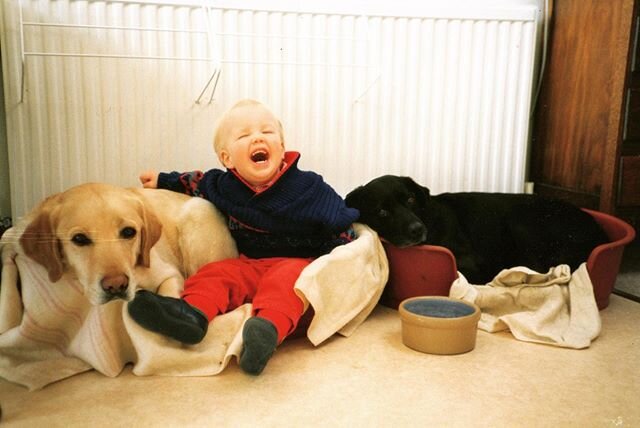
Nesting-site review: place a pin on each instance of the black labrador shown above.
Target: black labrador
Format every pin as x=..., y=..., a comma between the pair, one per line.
x=487, y=232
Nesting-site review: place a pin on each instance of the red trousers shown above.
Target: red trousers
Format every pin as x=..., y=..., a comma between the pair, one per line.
x=222, y=286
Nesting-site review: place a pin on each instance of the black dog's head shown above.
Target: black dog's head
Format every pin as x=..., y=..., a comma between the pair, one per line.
x=392, y=206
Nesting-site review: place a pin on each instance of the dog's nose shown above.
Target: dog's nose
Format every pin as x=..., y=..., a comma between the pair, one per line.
x=115, y=284
x=417, y=230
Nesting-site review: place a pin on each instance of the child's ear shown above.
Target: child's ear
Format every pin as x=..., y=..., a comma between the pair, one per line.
x=281, y=131
x=225, y=159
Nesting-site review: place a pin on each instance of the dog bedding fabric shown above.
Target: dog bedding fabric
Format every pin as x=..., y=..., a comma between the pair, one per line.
x=49, y=331
x=555, y=308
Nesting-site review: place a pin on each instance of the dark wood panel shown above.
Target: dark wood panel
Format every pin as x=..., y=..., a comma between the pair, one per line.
x=630, y=148
x=629, y=194
x=575, y=104
x=621, y=71
x=578, y=123
x=632, y=116
x=636, y=45
x=631, y=215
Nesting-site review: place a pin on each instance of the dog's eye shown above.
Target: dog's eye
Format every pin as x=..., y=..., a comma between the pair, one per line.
x=411, y=199
x=81, y=240
x=383, y=213
x=128, y=233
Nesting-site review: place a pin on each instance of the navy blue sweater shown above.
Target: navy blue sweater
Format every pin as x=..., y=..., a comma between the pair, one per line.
x=299, y=215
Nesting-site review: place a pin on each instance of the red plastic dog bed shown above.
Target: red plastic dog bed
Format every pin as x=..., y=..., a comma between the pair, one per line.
x=429, y=270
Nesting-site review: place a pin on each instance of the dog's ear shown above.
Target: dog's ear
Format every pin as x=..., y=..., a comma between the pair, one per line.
x=39, y=241
x=425, y=191
x=353, y=198
x=149, y=235
x=415, y=187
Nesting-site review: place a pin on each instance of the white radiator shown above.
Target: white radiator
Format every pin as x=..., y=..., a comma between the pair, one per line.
x=100, y=90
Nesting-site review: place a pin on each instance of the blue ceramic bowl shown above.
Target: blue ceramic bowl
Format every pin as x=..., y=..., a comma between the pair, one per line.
x=439, y=325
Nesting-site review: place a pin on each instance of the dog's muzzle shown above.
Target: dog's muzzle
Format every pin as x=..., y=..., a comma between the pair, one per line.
x=115, y=287
x=414, y=234
x=417, y=231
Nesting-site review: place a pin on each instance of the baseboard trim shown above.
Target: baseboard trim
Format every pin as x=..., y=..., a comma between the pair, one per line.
x=626, y=295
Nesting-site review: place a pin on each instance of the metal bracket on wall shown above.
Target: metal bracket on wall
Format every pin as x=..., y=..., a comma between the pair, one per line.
x=24, y=54
x=212, y=37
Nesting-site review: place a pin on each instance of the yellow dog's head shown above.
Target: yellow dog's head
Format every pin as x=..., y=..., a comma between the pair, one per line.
x=97, y=233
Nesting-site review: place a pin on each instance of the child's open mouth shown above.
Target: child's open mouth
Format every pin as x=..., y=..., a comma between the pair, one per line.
x=259, y=156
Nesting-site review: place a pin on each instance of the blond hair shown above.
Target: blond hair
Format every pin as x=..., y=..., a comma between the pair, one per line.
x=220, y=131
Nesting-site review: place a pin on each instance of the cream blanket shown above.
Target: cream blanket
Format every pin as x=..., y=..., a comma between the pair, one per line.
x=50, y=331
x=556, y=308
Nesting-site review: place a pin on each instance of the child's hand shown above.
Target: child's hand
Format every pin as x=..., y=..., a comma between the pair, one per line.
x=149, y=179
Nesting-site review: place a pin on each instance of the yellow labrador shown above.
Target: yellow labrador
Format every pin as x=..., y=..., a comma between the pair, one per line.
x=114, y=240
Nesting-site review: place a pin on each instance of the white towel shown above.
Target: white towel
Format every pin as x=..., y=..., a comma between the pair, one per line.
x=50, y=331
x=556, y=308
